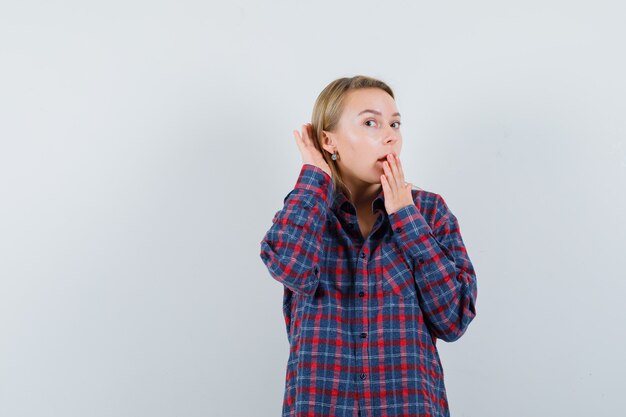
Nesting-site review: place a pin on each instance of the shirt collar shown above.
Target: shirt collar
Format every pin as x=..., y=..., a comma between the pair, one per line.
x=341, y=203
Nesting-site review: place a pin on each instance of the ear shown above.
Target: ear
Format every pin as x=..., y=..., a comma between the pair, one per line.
x=328, y=141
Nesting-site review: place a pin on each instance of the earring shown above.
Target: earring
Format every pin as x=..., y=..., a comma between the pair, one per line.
x=333, y=156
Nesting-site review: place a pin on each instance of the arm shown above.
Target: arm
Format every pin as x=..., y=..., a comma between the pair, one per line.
x=292, y=247
x=442, y=268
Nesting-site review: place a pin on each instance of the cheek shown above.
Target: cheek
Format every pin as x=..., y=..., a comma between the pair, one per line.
x=353, y=152
x=361, y=155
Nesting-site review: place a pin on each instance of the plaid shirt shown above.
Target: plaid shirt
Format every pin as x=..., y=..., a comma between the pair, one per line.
x=363, y=314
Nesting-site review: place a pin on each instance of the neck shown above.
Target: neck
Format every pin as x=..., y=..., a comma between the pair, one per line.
x=362, y=193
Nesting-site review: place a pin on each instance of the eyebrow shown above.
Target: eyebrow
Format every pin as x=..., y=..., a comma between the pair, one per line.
x=375, y=112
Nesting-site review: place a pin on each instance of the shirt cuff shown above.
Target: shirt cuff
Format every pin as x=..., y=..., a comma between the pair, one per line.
x=411, y=230
x=314, y=181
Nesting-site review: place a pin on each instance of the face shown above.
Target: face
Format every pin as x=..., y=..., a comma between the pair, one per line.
x=369, y=130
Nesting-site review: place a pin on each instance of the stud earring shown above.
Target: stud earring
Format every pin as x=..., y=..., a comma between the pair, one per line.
x=333, y=156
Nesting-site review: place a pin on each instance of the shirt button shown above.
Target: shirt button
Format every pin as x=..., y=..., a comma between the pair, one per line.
x=362, y=254
x=361, y=294
x=362, y=376
x=399, y=229
x=363, y=335
x=421, y=260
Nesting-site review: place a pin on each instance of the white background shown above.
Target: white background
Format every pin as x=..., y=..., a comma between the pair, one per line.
x=146, y=145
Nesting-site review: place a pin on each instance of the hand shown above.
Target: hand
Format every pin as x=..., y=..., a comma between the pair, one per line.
x=397, y=192
x=310, y=154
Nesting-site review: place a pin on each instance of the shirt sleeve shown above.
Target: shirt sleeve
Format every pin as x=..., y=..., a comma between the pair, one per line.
x=292, y=247
x=442, y=268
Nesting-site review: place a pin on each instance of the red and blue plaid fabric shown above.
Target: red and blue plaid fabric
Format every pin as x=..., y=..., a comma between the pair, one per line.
x=363, y=314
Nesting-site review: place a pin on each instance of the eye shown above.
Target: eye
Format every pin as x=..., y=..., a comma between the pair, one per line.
x=367, y=121
x=397, y=123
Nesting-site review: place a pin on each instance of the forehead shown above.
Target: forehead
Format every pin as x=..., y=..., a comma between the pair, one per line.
x=369, y=98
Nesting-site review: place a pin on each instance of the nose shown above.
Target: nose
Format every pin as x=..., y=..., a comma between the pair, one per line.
x=391, y=135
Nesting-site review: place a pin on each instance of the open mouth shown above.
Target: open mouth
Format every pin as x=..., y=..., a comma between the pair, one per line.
x=385, y=157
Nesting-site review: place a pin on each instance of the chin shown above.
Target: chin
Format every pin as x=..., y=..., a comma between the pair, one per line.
x=370, y=179
x=374, y=180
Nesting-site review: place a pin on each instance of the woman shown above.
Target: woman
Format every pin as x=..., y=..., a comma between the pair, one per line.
x=374, y=270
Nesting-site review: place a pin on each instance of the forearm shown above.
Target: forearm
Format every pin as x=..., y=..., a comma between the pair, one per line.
x=292, y=247
x=442, y=268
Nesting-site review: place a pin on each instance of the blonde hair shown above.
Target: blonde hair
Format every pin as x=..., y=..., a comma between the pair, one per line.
x=327, y=112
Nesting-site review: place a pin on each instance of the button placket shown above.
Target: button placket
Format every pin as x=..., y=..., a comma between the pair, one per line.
x=363, y=335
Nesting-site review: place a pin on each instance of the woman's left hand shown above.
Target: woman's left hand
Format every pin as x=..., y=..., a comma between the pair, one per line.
x=397, y=192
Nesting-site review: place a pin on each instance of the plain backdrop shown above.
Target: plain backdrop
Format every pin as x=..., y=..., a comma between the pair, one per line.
x=146, y=145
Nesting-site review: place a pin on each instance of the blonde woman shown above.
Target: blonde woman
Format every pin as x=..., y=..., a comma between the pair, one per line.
x=374, y=269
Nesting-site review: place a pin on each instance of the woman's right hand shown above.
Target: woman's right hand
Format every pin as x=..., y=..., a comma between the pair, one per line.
x=310, y=154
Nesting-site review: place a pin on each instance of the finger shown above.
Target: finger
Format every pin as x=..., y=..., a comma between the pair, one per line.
x=299, y=141
x=399, y=170
x=385, y=184
x=389, y=176
x=305, y=134
x=396, y=172
x=296, y=134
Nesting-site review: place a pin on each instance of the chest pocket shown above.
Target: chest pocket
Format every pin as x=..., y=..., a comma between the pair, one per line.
x=397, y=273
